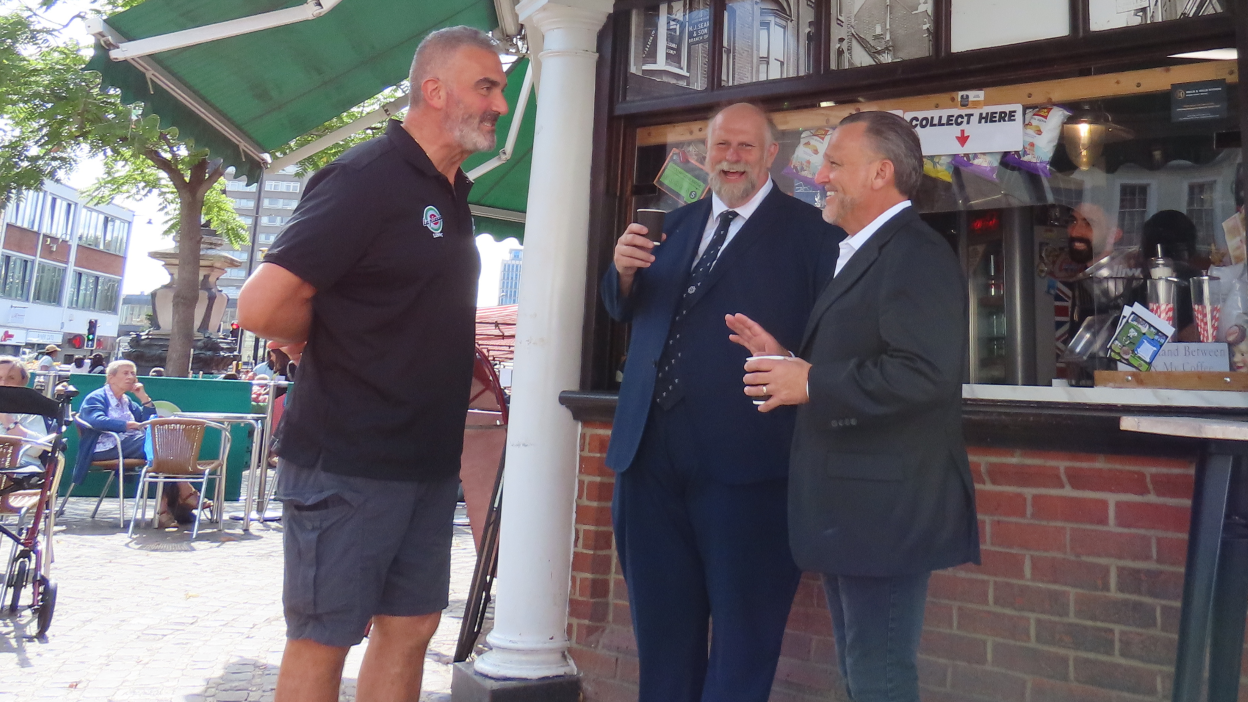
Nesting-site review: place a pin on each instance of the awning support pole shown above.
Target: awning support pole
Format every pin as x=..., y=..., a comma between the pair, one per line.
x=529, y=640
x=126, y=50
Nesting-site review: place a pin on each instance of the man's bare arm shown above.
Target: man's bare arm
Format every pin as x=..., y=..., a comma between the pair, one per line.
x=276, y=304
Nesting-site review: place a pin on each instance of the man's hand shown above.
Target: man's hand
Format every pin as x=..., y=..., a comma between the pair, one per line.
x=633, y=251
x=785, y=381
x=752, y=336
x=295, y=351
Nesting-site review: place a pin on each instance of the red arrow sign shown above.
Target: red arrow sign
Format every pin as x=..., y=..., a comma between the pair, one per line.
x=963, y=138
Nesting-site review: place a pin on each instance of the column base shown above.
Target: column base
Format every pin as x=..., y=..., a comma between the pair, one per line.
x=469, y=686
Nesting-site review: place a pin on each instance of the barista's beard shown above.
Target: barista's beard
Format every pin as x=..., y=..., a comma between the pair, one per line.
x=1080, y=249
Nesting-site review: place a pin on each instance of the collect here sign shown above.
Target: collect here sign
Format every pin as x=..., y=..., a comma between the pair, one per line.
x=994, y=128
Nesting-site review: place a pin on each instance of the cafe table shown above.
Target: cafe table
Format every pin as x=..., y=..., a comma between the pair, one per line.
x=1215, y=581
x=255, y=463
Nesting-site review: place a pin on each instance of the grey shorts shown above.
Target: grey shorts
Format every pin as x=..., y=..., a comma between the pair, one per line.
x=358, y=547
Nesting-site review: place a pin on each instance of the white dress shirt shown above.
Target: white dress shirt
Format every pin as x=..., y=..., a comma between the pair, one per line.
x=851, y=244
x=743, y=213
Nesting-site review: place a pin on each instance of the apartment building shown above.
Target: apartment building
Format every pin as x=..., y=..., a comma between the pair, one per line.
x=281, y=192
x=509, y=277
x=62, y=262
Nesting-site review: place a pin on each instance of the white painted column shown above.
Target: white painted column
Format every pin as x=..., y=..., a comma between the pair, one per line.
x=529, y=639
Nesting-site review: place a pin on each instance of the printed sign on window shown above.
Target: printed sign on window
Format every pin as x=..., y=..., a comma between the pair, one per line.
x=991, y=129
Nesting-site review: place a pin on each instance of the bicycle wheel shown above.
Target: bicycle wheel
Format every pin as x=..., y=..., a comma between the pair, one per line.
x=45, y=606
x=17, y=581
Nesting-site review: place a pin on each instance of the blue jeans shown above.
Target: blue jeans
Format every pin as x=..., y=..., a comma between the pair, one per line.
x=877, y=622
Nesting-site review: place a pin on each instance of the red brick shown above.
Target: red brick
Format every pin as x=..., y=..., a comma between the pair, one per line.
x=594, y=538
x=1052, y=691
x=1060, y=508
x=1149, y=462
x=597, y=491
x=621, y=614
x=823, y=649
x=627, y=669
x=1025, y=475
x=796, y=645
x=596, y=444
x=954, y=647
x=810, y=620
x=1119, y=545
x=1077, y=637
x=1147, y=582
x=588, y=610
x=1030, y=598
x=933, y=673
x=1116, y=676
x=977, y=474
x=1152, y=516
x=1028, y=536
x=938, y=616
x=1113, y=609
x=593, y=515
x=1130, y=482
x=990, y=684
x=1030, y=660
x=1170, y=619
x=588, y=634
x=620, y=639
x=978, y=453
x=997, y=625
x=1000, y=503
x=1072, y=572
x=594, y=465
x=596, y=426
x=947, y=586
x=998, y=564
x=591, y=563
x=1158, y=649
x=1064, y=457
x=806, y=674
x=1172, y=551
x=1179, y=485
x=607, y=690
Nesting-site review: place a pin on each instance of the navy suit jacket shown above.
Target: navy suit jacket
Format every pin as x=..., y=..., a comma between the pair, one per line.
x=772, y=271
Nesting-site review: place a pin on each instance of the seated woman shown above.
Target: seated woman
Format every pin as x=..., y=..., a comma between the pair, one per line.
x=109, y=410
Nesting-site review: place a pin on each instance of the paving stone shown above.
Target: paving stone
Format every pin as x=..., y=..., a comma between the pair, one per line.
x=165, y=619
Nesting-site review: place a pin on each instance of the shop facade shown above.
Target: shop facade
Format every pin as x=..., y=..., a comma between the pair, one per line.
x=1083, y=526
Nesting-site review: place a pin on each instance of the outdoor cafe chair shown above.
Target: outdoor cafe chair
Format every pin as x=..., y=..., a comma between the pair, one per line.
x=117, y=468
x=172, y=447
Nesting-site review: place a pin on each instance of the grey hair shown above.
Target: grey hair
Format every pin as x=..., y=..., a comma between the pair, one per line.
x=15, y=361
x=437, y=48
x=117, y=365
x=894, y=140
x=771, y=133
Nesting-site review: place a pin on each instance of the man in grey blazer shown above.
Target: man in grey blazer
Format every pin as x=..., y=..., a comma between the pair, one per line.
x=880, y=490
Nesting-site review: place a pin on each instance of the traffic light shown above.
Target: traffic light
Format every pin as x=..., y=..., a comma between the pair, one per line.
x=235, y=330
x=91, y=325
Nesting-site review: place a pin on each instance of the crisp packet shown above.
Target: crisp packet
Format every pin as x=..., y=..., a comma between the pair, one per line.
x=808, y=156
x=939, y=167
x=982, y=165
x=1042, y=129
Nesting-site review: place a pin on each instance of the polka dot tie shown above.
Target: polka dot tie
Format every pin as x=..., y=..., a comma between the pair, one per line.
x=667, y=388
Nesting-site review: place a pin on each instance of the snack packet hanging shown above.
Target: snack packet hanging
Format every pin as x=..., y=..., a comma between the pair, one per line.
x=1042, y=129
x=982, y=165
x=808, y=156
x=940, y=167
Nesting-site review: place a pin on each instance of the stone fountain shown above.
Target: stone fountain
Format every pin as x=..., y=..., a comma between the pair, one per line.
x=211, y=351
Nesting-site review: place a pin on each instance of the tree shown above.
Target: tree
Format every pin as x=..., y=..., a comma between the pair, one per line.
x=53, y=114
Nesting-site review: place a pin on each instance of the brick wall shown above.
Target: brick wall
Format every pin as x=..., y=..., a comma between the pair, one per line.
x=1077, y=598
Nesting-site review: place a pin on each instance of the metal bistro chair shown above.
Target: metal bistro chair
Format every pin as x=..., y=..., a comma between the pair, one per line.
x=173, y=446
x=118, y=468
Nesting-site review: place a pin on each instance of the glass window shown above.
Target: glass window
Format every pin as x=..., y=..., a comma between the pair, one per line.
x=267, y=238
x=1200, y=208
x=282, y=186
x=14, y=276
x=1132, y=209
x=977, y=24
x=94, y=292
x=274, y=220
x=247, y=220
x=243, y=203
x=279, y=203
x=768, y=40
x=670, y=48
x=240, y=186
x=100, y=231
x=867, y=32
x=48, y=279
x=24, y=209
x=1111, y=14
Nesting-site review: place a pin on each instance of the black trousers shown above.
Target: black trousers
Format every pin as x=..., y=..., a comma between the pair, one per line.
x=696, y=550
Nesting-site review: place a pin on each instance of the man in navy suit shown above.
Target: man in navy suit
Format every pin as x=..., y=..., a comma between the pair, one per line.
x=700, y=493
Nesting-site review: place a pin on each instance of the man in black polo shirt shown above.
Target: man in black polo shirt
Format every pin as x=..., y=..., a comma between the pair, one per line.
x=377, y=271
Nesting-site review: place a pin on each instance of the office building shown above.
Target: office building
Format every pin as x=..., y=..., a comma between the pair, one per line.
x=277, y=201
x=509, y=278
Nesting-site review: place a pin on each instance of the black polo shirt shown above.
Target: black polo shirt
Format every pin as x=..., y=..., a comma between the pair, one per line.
x=382, y=390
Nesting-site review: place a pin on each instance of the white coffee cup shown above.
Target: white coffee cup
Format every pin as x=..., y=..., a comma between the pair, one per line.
x=758, y=400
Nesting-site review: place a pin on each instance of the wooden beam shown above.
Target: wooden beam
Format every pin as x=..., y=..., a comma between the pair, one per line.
x=1152, y=80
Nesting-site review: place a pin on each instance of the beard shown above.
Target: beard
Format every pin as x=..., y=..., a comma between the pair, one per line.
x=473, y=132
x=733, y=194
x=838, y=205
x=1080, y=249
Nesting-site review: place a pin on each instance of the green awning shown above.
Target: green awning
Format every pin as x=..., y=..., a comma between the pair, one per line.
x=251, y=94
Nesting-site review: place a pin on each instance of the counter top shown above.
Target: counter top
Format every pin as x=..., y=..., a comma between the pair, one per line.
x=1127, y=397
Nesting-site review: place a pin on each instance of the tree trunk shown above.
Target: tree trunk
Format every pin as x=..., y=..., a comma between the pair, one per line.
x=186, y=287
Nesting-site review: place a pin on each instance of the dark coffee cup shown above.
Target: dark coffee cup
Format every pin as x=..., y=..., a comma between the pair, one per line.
x=652, y=220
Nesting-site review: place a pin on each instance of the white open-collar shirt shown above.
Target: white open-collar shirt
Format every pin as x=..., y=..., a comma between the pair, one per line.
x=851, y=244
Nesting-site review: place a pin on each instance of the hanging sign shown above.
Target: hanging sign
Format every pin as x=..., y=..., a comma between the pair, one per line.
x=993, y=128
x=1204, y=99
x=14, y=337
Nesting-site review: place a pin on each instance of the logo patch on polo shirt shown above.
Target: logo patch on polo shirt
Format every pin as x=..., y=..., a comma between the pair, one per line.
x=433, y=221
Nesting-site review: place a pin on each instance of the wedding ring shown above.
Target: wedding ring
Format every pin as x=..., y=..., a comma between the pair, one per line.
x=765, y=390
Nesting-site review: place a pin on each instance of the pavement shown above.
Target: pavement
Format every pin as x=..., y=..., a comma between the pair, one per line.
x=163, y=618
